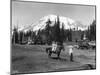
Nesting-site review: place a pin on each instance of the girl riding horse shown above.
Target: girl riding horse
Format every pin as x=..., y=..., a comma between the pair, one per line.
x=56, y=49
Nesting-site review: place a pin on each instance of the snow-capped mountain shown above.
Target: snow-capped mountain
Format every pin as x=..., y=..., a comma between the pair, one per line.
x=67, y=22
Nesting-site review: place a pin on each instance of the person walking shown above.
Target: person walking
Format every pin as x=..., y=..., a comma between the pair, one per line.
x=71, y=53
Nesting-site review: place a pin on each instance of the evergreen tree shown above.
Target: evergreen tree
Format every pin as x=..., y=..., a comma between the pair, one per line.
x=15, y=35
x=57, y=30
x=82, y=35
x=62, y=34
x=47, y=29
x=91, y=32
x=70, y=34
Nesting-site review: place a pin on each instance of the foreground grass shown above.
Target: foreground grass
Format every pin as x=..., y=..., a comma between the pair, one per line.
x=33, y=58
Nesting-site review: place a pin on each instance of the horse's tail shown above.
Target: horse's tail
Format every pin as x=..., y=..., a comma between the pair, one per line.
x=48, y=49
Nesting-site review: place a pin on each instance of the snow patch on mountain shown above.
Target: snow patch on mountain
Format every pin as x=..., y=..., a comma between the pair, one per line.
x=41, y=24
x=68, y=23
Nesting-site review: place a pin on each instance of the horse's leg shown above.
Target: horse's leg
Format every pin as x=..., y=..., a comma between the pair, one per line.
x=59, y=54
x=49, y=53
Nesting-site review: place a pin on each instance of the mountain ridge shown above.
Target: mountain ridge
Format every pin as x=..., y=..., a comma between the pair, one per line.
x=68, y=23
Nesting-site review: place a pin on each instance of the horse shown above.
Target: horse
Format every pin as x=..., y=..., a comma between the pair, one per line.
x=58, y=51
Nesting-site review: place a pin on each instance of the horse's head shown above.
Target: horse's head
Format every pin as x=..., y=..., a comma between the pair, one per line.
x=62, y=48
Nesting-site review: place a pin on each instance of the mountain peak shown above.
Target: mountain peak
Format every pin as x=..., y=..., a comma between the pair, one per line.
x=41, y=24
x=68, y=23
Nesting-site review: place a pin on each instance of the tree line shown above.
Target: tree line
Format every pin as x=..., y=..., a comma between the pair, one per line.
x=91, y=31
x=50, y=33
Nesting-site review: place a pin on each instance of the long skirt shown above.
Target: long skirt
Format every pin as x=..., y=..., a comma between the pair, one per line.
x=71, y=57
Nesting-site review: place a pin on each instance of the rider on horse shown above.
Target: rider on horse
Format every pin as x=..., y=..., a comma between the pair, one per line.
x=54, y=46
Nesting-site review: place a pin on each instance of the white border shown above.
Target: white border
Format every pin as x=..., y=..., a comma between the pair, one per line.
x=5, y=36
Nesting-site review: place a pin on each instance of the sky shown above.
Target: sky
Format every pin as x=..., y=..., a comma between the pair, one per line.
x=27, y=13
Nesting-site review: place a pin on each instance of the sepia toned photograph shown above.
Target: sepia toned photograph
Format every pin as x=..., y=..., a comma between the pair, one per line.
x=52, y=37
